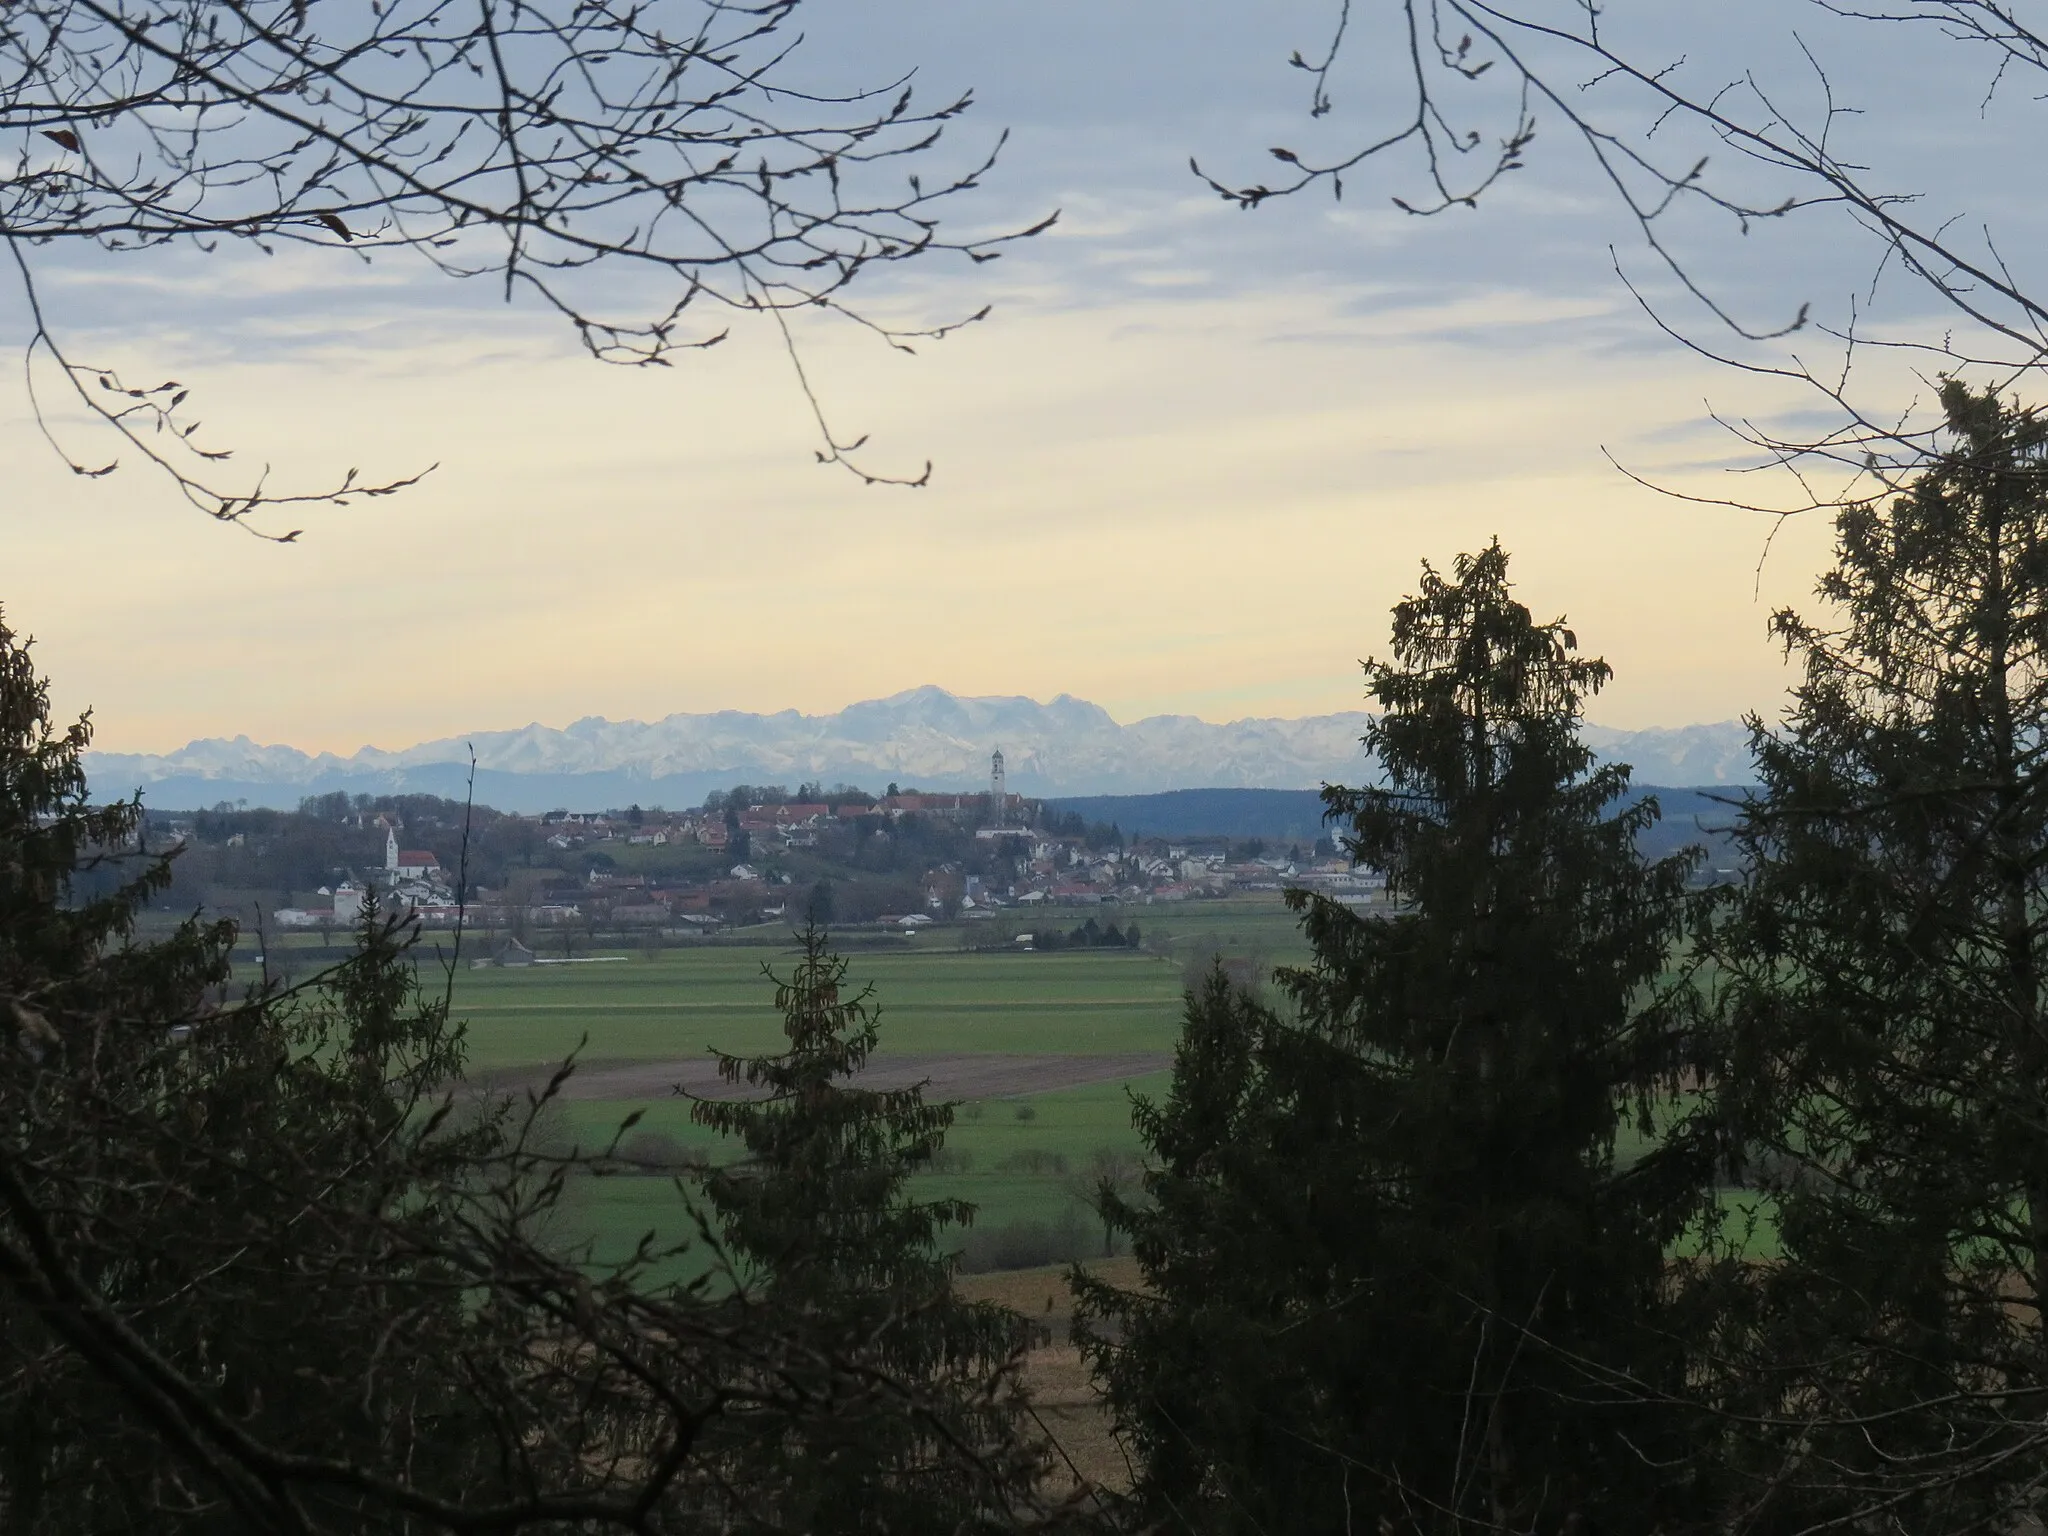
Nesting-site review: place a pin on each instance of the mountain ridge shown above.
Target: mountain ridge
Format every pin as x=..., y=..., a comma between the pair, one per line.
x=927, y=736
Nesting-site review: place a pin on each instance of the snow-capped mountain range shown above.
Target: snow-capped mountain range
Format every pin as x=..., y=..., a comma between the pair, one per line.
x=925, y=736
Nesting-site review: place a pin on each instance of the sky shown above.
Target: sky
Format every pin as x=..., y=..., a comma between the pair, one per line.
x=1186, y=466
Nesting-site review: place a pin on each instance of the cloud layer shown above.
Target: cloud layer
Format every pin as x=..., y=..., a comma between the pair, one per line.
x=1185, y=468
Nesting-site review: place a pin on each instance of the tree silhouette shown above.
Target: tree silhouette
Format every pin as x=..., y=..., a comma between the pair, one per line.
x=1389, y=1248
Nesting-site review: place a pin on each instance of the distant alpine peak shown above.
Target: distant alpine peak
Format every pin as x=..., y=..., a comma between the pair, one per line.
x=924, y=735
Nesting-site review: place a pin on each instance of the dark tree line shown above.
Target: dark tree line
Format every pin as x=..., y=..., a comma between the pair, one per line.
x=280, y=858
x=1088, y=934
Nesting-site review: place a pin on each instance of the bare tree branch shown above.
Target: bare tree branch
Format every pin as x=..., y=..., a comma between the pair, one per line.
x=1666, y=137
x=630, y=167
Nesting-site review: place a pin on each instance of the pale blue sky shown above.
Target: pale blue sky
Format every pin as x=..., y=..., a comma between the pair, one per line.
x=1186, y=466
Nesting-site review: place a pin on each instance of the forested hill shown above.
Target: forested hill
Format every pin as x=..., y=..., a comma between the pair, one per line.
x=1296, y=815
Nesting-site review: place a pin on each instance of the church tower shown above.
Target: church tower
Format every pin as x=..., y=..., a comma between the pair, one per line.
x=998, y=796
x=391, y=850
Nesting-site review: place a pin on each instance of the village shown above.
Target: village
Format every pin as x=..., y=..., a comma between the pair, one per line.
x=732, y=864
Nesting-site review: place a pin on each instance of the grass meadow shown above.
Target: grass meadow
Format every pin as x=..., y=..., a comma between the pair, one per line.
x=686, y=1001
x=1022, y=1161
x=1023, y=1175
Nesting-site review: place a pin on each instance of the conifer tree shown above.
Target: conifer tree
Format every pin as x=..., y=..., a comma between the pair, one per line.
x=1394, y=1266
x=1884, y=1061
x=189, y=1180
x=818, y=1217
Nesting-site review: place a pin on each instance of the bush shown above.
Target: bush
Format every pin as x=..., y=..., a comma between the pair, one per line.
x=1027, y=1244
x=1026, y=1112
x=950, y=1160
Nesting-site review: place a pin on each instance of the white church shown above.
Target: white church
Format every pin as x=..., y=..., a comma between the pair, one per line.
x=407, y=863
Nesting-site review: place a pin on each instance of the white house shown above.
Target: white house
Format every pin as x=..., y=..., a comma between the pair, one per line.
x=348, y=903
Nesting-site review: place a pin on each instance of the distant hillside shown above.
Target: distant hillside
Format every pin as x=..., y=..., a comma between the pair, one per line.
x=926, y=736
x=1278, y=815
x=1295, y=815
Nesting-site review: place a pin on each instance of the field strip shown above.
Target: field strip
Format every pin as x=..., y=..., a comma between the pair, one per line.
x=964, y=1075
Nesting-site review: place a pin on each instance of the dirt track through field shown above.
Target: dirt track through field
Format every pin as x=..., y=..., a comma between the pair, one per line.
x=961, y=1076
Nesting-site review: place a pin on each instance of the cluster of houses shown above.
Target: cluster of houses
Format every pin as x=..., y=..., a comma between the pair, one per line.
x=412, y=878
x=1063, y=873
x=1038, y=869
x=787, y=824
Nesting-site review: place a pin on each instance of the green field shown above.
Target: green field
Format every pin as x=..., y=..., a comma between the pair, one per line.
x=1019, y=1160
x=1069, y=1125
x=1238, y=925
x=687, y=1001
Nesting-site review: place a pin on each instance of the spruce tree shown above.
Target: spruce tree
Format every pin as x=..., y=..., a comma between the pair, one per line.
x=1397, y=1275
x=1883, y=1068
x=820, y=1223
x=206, y=1198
